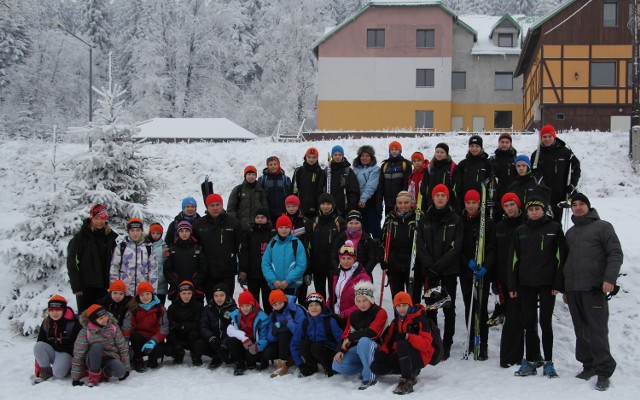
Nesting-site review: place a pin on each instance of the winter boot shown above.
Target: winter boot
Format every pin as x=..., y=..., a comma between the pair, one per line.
x=216, y=362
x=437, y=297
x=241, y=366
x=497, y=318
x=196, y=361
x=602, y=384
x=526, y=369
x=45, y=373
x=94, y=378
x=548, y=370
x=178, y=358
x=307, y=370
x=404, y=387
x=281, y=368
x=586, y=374
x=138, y=365
x=152, y=363
x=367, y=384
x=447, y=353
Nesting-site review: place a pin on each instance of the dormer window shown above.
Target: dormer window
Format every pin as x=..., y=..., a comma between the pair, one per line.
x=505, y=40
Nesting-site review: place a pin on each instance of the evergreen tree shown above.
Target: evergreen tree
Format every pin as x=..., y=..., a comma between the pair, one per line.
x=14, y=41
x=96, y=23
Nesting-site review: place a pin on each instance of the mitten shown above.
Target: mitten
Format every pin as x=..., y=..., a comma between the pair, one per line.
x=148, y=347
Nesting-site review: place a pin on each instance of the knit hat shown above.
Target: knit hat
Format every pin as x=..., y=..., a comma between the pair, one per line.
x=395, y=145
x=246, y=298
x=213, y=198
x=315, y=297
x=536, y=201
x=337, y=148
x=144, y=287
x=405, y=195
x=262, y=211
x=134, y=223
x=99, y=210
x=417, y=156
x=582, y=198
x=249, y=168
x=185, y=285
x=443, y=146
x=475, y=139
x=57, y=302
x=220, y=287
x=366, y=289
x=276, y=296
x=156, y=227
x=523, y=158
x=311, y=151
x=402, y=298
x=366, y=149
x=440, y=188
x=94, y=312
x=189, y=201
x=291, y=199
x=548, y=129
x=184, y=225
x=284, y=220
x=354, y=215
x=326, y=198
x=510, y=197
x=348, y=249
x=505, y=135
x=472, y=195
x=118, y=286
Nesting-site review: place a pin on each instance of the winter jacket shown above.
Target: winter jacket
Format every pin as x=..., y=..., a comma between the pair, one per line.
x=439, y=172
x=504, y=170
x=254, y=246
x=185, y=263
x=158, y=252
x=365, y=252
x=118, y=310
x=110, y=337
x=307, y=185
x=555, y=164
x=537, y=255
x=361, y=324
x=277, y=187
x=289, y=317
x=215, y=321
x=60, y=334
x=345, y=187
x=419, y=335
x=368, y=180
x=394, y=178
x=302, y=226
x=469, y=174
x=325, y=231
x=439, y=242
x=221, y=240
x=471, y=232
x=150, y=320
x=401, y=230
x=279, y=263
x=184, y=318
x=505, y=230
x=244, y=201
x=135, y=264
x=415, y=181
x=314, y=330
x=89, y=256
x=260, y=328
x=171, y=235
x=347, y=297
x=528, y=185
x=594, y=253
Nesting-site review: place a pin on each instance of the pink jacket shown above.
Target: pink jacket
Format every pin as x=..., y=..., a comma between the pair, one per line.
x=347, y=298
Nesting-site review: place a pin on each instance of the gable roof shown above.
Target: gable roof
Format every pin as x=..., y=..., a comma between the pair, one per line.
x=505, y=17
x=390, y=3
x=193, y=128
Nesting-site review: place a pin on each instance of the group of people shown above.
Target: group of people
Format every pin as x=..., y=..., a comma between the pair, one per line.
x=278, y=236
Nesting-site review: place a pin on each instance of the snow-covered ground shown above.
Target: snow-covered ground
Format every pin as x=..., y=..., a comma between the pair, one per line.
x=607, y=179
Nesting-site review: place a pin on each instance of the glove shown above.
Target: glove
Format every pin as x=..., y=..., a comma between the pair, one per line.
x=125, y=376
x=473, y=265
x=77, y=383
x=148, y=347
x=250, y=347
x=247, y=343
x=480, y=272
x=307, y=279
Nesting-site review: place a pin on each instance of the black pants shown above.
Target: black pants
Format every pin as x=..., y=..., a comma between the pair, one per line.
x=211, y=282
x=89, y=296
x=320, y=283
x=301, y=293
x=529, y=296
x=406, y=361
x=317, y=353
x=466, y=285
x=450, y=283
x=240, y=355
x=137, y=341
x=590, y=315
x=513, y=333
x=162, y=298
x=279, y=350
x=398, y=281
x=258, y=286
x=192, y=341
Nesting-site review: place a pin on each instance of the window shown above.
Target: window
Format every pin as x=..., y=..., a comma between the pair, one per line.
x=458, y=80
x=560, y=116
x=375, y=38
x=424, y=119
x=505, y=40
x=610, y=14
x=504, y=81
x=424, y=78
x=603, y=74
x=425, y=38
x=502, y=119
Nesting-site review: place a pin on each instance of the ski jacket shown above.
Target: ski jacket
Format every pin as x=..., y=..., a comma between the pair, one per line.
x=60, y=334
x=255, y=243
x=301, y=226
x=149, y=320
x=361, y=324
x=221, y=240
x=289, y=317
x=401, y=230
x=469, y=174
x=109, y=337
x=345, y=187
x=504, y=170
x=307, y=185
x=368, y=180
x=555, y=164
x=171, y=234
x=537, y=255
x=118, y=310
x=394, y=178
x=366, y=251
x=419, y=335
x=260, y=328
x=528, y=185
x=439, y=242
x=414, y=184
x=325, y=232
x=594, y=253
x=439, y=172
x=347, y=297
x=244, y=201
x=315, y=332
x=185, y=263
x=505, y=230
x=471, y=233
x=215, y=321
x=184, y=318
x=89, y=256
x=158, y=252
x=277, y=187
x=135, y=264
x=281, y=263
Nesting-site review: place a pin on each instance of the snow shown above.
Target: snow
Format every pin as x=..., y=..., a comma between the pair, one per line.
x=193, y=128
x=483, y=24
x=607, y=179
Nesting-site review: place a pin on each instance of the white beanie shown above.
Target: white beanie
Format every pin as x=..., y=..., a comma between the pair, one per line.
x=366, y=289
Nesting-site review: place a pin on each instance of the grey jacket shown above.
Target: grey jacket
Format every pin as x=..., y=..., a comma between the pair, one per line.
x=244, y=201
x=594, y=253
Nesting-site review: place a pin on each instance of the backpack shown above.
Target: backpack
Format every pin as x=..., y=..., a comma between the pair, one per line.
x=327, y=324
x=292, y=313
x=294, y=245
x=317, y=219
x=384, y=166
x=438, y=346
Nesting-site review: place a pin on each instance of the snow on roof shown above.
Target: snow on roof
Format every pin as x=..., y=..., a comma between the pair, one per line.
x=193, y=128
x=484, y=24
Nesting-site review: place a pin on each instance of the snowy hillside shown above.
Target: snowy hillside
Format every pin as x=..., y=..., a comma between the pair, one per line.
x=25, y=173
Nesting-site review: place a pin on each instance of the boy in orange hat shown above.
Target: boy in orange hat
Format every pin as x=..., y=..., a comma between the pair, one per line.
x=246, y=198
x=116, y=301
x=185, y=314
x=394, y=176
x=307, y=183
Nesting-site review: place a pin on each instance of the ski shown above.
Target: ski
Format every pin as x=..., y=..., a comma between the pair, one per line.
x=329, y=173
x=206, y=187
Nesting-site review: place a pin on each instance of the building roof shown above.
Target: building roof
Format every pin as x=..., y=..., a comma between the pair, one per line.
x=485, y=25
x=193, y=128
x=391, y=3
x=506, y=17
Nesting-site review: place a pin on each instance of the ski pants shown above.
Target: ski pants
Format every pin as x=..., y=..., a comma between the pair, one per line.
x=321, y=282
x=279, y=350
x=466, y=285
x=240, y=355
x=317, y=353
x=96, y=361
x=513, y=333
x=358, y=359
x=529, y=296
x=257, y=286
x=450, y=283
x=47, y=357
x=371, y=219
x=398, y=281
x=135, y=350
x=406, y=361
x=89, y=296
x=192, y=341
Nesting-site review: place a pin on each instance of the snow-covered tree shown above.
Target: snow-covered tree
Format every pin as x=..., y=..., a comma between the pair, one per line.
x=96, y=23
x=14, y=41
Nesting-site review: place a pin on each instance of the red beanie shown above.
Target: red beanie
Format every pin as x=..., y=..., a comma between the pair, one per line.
x=548, y=129
x=311, y=151
x=156, y=227
x=118, y=286
x=505, y=136
x=249, y=168
x=417, y=156
x=510, y=197
x=144, y=287
x=440, y=188
x=276, y=296
x=396, y=145
x=98, y=211
x=291, y=199
x=402, y=298
x=283, y=220
x=472, y=195
x=213, y=198
x=246, y=298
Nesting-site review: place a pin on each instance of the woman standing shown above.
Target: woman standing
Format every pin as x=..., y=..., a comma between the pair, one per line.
x=368, y=174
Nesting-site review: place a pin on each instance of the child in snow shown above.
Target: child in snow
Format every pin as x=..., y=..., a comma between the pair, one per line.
x=307, y=183
x=216, y=318
x=57, y=334
x=276, y=185
x=368, y=174
x=146, y=326
x=184, y=323
x=116, y=301
x=406, y=344
x=341, y=300
x=185, y=263
x=189, y=213
x=359, y=339
x=133, y=260
x=315, y=341
x=344, y=185
x=286, y=319
x=246, y=198
x=248, y=333
x=417, y=177
x=394, y=176
x=302, y=230
x=100, y=347
x=439, y=171
x=364, y=245
x=158, y=245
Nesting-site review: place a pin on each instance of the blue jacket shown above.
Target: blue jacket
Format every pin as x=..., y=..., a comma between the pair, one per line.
x=279, y=263
x=261, y=327
x=291, y=316
x=368, y=177
x=315, y=333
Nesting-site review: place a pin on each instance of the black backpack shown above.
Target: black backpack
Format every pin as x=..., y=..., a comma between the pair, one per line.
x=438, y=346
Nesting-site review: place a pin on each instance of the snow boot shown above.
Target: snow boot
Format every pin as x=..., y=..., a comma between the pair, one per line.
x=178, y=358
x=196, y=362
x=586, y=374
x=526, y=369
x=437, y=297
x=367, y=384
x=602, y=384
x=45, y=373
x=495, y=321
x=404, y=387
x=216, y=362
x=307, y=370
x=548, y=370
x=94, y=378
x=138, y=365
x=153, y=363
x=281, y=368
x=240, y=368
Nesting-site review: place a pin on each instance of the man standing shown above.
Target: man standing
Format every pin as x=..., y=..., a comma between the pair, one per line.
x=246, y=198
x=590, y=272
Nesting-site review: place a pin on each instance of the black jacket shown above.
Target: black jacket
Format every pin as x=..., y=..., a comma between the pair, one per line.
x=60, y=334
x=439, y=241
x=529, y=185
x=401, y=231
x=254, y=245
x=471, y=227
x=394, y=178
x=469, y=174
x=438, y=172
x=215, y=320
x=185, y=263
x=307, y=185
x=504, y=237
x=89, y=257
x=325, y=231
x=344, y=182
x=221, y=240
x=170, y=235
x=504, y=171
x=555, y=163
x=366, y=251
x=277, y=187
x=184, y=318
x=118, y=310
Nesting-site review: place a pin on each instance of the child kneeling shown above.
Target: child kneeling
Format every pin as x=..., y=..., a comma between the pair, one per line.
x=286, y=319
x=184, y=322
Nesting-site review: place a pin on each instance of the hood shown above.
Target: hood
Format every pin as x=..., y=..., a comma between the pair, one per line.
x=589, y=217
